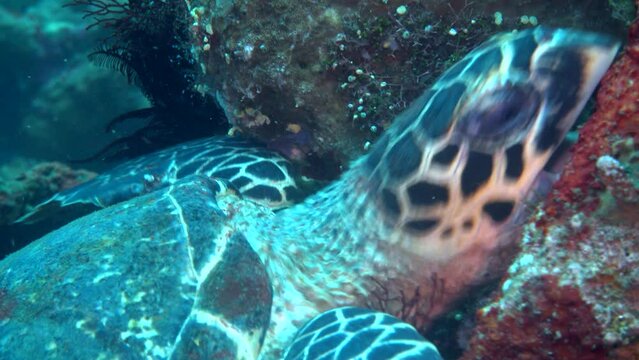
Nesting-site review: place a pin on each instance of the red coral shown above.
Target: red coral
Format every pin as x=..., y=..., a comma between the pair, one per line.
x=616, y=116
x=575, y=296
x=552, y=323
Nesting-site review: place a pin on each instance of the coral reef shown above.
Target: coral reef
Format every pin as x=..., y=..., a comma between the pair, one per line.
x=572, y=291
x=68, y=113
x=342, y=70
x=25, y=183
x=54, y=104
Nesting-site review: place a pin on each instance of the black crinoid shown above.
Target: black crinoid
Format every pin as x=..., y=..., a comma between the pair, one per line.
x=148, y=42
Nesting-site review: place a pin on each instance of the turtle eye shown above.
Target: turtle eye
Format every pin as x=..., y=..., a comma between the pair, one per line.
x=500, y=112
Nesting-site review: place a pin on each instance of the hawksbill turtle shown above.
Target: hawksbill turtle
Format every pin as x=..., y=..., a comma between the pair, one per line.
x=196, y=268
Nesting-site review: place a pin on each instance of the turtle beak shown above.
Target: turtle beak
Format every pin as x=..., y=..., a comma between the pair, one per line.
x=566, y=67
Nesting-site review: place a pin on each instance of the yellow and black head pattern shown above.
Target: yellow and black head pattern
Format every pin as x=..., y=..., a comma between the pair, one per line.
x=456, y=165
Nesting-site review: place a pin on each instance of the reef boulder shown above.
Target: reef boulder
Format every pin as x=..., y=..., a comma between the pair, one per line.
x=327, y=77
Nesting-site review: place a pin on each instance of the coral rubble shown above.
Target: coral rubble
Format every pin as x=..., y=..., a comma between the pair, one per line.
x=572, y=292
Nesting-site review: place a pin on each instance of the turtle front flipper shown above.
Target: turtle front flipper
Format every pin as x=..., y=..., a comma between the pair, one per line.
x=258, y=173
x=160, y=276
x=358, y=333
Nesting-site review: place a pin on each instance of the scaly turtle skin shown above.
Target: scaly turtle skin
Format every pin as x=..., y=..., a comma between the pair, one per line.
x=408, y=229
x=256, y=172
x=358, y=333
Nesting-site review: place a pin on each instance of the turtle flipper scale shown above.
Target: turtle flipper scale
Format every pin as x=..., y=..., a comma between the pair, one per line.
x=358, y=333
x=258, y=173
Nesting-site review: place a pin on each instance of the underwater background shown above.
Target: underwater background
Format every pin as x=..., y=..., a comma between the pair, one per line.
x=91, y=83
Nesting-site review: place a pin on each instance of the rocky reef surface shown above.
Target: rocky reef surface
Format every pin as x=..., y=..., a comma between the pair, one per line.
x=573, y=291
x=327, y=77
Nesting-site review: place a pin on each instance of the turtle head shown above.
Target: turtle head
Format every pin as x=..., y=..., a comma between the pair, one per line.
x=457, y=165
x=528, y=84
